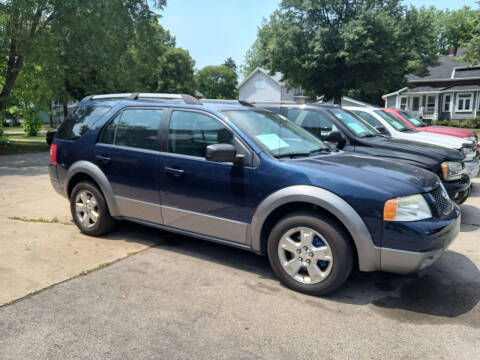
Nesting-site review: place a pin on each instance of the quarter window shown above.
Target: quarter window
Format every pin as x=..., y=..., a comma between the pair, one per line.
x=79, y=121
x=191, y=132
x=464, y=102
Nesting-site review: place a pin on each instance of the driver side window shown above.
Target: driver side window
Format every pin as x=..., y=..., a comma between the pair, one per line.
x=191, y=132
x=313, y=121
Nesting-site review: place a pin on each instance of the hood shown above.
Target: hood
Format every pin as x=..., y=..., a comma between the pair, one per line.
x=392, y=178
x=448, y=130
x=425, y=150
x=439, y=139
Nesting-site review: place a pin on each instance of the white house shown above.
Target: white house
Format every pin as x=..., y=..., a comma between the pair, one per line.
x=260, y=86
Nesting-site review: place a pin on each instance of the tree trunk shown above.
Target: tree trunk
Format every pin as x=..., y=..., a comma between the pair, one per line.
x=15, y=64
x=65, y=109
x=337, y=99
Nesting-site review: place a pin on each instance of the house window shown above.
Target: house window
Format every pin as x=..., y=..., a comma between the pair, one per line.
x=431, y=102
x=403, y=103
x=446, y=103
x=260, y=84
x=415, y=103
x=464, y=102
x=478, y=101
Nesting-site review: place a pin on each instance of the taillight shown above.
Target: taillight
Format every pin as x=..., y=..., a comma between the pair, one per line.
x=53, y=154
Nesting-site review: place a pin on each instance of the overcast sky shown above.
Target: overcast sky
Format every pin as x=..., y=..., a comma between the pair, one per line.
x=212, y=30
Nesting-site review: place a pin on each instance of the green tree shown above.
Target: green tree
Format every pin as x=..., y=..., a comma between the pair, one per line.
x=254, y=58
x=230, y=63
x=332, y=47
x=217, y=82
x=472, y=46
x=455, y=27
x=66, y=34
x=175, y=72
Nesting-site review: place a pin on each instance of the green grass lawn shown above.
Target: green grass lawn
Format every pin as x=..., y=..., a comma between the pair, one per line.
x=27, y=144
x=39, y=137
x=19, y=128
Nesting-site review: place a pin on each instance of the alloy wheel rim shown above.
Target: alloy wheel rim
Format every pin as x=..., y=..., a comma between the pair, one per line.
x=305, y=255
x=86, y=209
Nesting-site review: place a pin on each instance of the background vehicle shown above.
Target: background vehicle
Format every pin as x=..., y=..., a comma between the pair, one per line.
x=248, y=178
x=350, y=133
x=390, y=125
x=417, y=124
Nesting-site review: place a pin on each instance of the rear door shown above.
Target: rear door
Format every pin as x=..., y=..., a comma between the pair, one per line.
x=128, y=153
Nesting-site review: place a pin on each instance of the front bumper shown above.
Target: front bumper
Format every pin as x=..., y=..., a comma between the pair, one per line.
x=419, y=244
x=472, y=167
x=459, y=190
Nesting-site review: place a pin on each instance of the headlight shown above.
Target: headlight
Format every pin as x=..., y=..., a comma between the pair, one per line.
x=452, y=170
x=408, y=208
x=469, y=153
x=472, y=138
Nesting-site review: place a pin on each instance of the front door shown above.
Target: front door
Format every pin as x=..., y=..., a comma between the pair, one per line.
x=201, y=196
x=128, y=154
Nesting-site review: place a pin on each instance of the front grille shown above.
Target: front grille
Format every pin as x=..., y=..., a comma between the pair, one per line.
x=443, y=201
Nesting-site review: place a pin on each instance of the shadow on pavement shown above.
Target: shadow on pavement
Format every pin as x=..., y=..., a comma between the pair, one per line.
x=24, y=164
x=449, y=289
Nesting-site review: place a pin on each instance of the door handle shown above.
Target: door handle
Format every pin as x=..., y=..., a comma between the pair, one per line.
x=103, y=159
x=173, y=171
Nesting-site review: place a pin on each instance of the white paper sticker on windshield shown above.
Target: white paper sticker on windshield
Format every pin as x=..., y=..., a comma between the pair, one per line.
x=272, y=141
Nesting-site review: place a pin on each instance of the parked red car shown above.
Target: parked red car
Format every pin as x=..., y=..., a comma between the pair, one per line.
x=419, y=125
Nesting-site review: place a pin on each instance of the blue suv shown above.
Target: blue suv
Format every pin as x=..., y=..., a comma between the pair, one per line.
x=246, y=177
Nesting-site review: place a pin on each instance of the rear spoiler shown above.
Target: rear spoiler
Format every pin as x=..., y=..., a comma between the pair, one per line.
x=50, y=136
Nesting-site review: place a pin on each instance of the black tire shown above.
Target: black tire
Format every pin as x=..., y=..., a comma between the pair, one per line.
x=104, y=222
x=338, y=241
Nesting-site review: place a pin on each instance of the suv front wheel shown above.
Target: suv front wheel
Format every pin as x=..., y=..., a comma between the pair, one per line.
x=89, y=210
x=309, y=253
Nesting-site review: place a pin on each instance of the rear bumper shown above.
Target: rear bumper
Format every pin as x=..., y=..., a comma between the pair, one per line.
x=58, y=185
x=420, y=244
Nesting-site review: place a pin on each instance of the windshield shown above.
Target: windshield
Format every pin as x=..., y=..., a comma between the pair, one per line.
x=397, y=124
x=416, y=122
x=275, y=134
x=355, y=124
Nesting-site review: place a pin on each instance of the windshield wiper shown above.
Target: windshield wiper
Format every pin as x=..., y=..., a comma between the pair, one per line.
x=369, y=135
x=319, y=150
x=298, y=154
x=291, y=155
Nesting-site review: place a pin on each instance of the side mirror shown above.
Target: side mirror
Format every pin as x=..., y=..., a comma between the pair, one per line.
x=381, y=129
x=337, y=138
x=50, y=135
x=221, y=153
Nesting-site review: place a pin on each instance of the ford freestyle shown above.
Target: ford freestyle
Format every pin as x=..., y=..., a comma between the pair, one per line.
x=248, y=178
x=350, y=133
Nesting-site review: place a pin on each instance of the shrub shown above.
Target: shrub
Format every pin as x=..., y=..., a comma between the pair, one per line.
x=32, y=124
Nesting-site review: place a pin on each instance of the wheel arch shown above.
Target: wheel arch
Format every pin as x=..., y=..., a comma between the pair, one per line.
x=305, y=197
x=84, y=170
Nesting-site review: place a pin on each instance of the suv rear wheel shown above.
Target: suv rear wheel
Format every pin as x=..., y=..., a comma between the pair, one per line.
x=309, y=253
x=89, y=210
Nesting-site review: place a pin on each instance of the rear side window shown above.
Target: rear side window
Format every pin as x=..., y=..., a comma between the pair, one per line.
x=314, y=121
x=137, y=128
x=80, y=121
x=191, y=132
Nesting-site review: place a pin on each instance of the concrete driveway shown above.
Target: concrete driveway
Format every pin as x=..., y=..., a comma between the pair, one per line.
x=185, y=298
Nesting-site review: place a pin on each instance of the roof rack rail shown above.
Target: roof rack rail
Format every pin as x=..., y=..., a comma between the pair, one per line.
x=223, y=101
x=187, y=99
